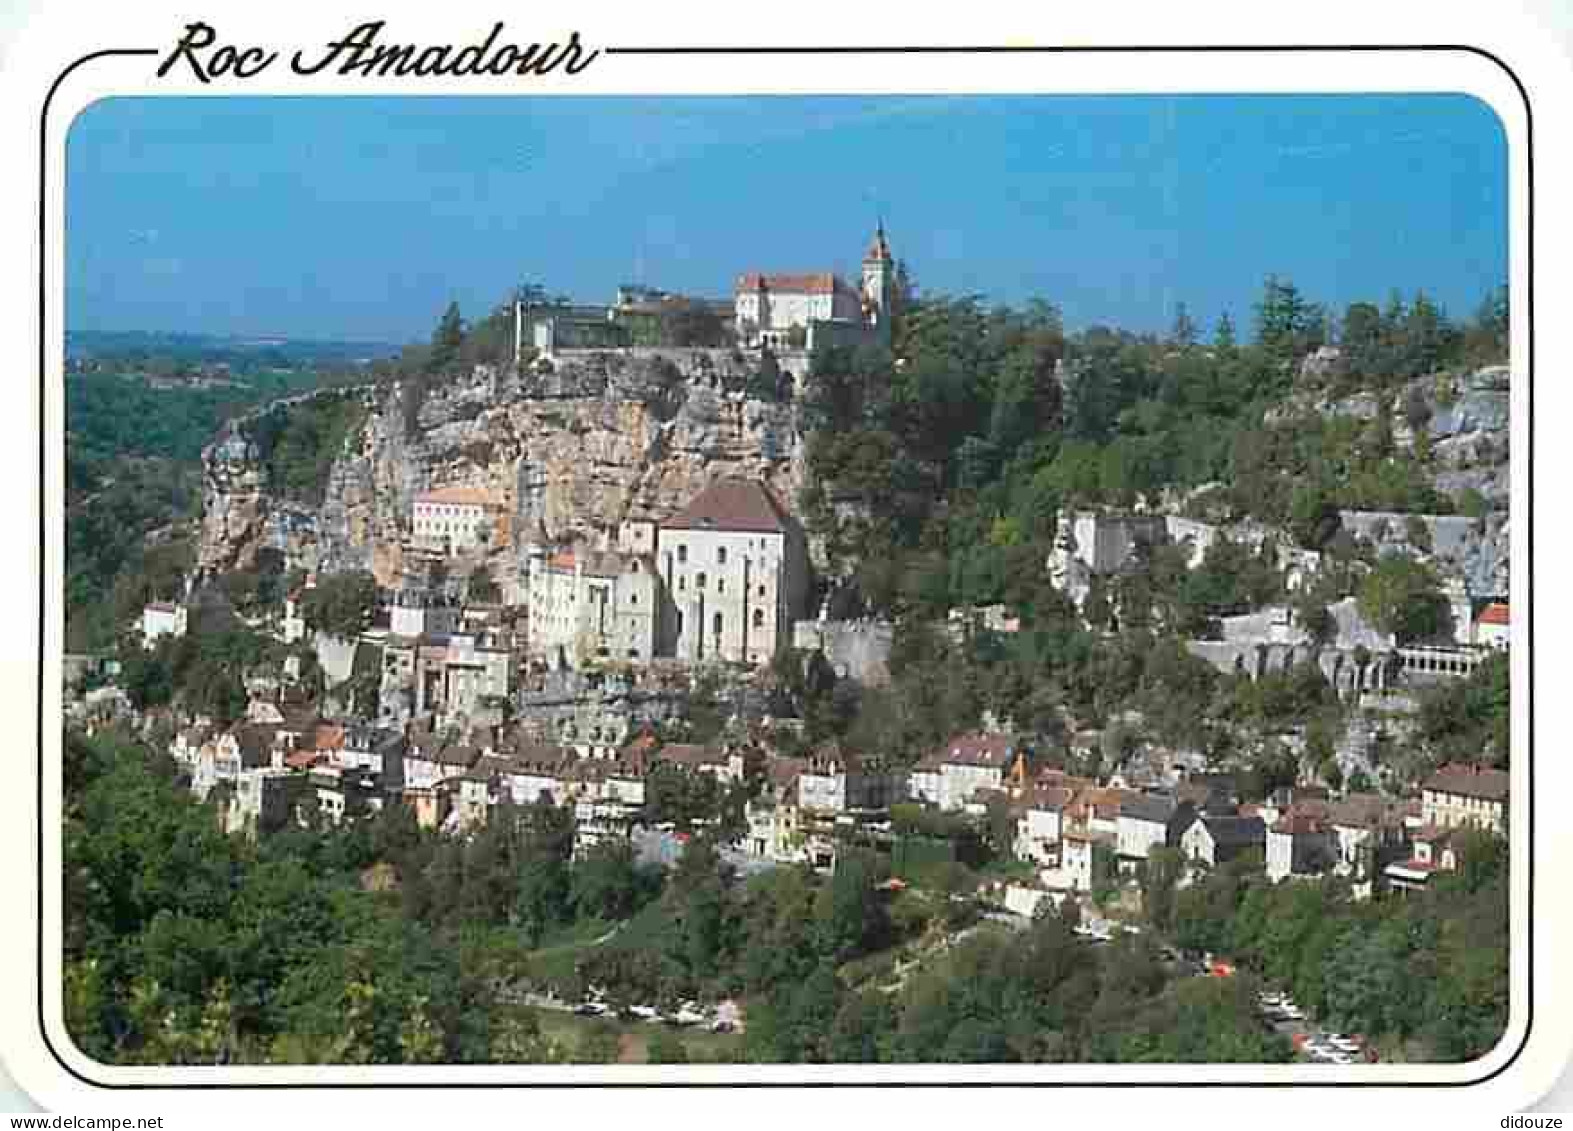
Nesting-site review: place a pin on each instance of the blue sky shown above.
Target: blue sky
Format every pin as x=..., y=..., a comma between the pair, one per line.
x=362, y=217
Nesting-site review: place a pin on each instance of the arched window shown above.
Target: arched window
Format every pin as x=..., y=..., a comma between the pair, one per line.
x=699, y=581
x=759, y=618
x=720, y=555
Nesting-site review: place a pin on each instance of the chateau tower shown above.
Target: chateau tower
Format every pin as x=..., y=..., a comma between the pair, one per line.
x=879, y=280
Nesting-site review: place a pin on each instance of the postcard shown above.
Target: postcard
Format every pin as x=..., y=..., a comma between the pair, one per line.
x=614, y=564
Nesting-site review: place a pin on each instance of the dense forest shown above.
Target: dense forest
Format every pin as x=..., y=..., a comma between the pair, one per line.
x=936, y=483
x=996, y=419
x=133, y=474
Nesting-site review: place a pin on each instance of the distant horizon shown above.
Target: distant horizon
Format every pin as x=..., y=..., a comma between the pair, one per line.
x=361, y=219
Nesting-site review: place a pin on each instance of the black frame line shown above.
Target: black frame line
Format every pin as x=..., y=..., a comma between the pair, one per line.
x=1528, y=634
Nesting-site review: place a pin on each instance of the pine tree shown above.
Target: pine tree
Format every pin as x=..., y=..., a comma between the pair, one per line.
x=1223, y=337
x=447, y=339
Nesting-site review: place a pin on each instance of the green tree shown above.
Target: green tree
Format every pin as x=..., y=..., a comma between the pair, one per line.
x=665, y=1048
x=1160, y=877
x=853, y=915
x=340, y=604
x=1402, y=596
x=1223, y=336
x=1287, y=325
x=446, y=340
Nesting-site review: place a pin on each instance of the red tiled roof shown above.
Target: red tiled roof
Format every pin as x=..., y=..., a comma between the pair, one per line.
x=814, y=283
x=978, y=750
x=1470, y=781
x=1297, y=824
x=690, y=754
x=1048, y=798
x=1494, y=613
x=731, y=504
x=784, y=769
x=457, y=496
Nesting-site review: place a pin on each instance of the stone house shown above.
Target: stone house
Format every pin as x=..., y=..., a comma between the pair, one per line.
x=1147, y=821
x=1434, y=849
x=1460, y=794
x=1214, y=840
x=949, y=776
x=586, y=605
x=262, y=801
x=774, y=818
x=838, y=781
x=1492, y=626
x=1299, y=844
x=1041, y=823
x=457, y=518
x=1369, y=831
x=162, y=618
x=536, y=770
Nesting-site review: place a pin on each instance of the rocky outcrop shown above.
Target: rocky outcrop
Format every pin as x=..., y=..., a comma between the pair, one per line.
x=235, y=506
x=574, y=448
x=1474, y=549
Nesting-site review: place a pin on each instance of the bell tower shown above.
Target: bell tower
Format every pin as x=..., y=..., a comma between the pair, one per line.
x=878, y=281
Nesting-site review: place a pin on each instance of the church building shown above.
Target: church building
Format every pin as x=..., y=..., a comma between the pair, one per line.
x=801, y=311
x=735, y=566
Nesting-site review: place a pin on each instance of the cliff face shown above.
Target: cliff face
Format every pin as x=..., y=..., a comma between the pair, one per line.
x=601, y=438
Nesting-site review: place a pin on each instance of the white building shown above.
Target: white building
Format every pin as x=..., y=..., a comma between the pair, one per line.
x=735, y=566
x=1466, y=794
x=1146, y=821
x=162, y=618
x=416, y=612
x=791, y=311
x=455, y=674
x=1040, y=825
x=587, y=604
x=1491, y=626
x=1299, y=844
x=949, y=776
x=459, y=518
x=837, y=782
x=1076, y=860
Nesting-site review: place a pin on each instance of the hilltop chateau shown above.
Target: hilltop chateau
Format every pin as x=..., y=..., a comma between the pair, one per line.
x=799, y=311
x=784, y=311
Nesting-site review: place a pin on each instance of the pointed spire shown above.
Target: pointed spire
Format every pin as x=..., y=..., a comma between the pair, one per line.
x=878, y=248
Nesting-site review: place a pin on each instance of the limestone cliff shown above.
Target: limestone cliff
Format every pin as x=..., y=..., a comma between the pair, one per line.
x=574, y=448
